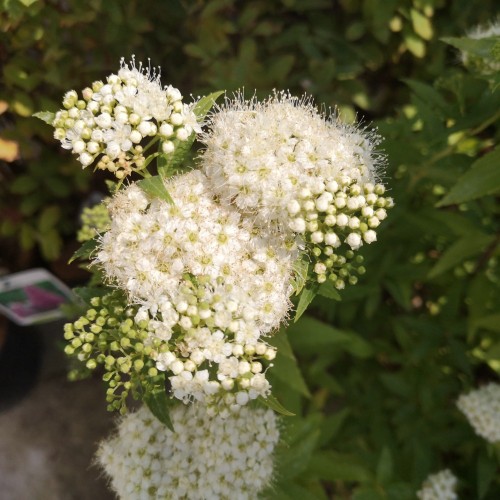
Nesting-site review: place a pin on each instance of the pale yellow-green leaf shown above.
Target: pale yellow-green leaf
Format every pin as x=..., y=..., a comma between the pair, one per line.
x=421, y=25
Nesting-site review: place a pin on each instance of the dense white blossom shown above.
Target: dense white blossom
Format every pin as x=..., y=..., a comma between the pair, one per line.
x=262, y=155
x=439, y=486
x=209, y=283
x=206, y=457
x=482, y=409
x=111, y=120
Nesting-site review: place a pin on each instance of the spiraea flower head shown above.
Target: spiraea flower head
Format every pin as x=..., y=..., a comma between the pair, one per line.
x=262, y=155
x=484, y=62
x=296, y=171
x=206, y=456
x=207, y=281
x=110, y=123
x=439, y=486
x=482, y=409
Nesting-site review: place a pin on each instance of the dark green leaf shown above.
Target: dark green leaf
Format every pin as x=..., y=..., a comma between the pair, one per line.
x=158, y=403
x=328, y=290
x=486, y=472
x=85, y=251
x=385, y=466
x=332, y=466
x=312, y=335
x=482, y=179
x=460, y=250
x=306, y=297
x=285, y=365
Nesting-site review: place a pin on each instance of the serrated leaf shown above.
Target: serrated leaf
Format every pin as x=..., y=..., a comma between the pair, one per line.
x=158, y=404
x=328, y=290
x=306, y=297
x=482, y=179
x=45, y=116
x=272, y=403
x=154, y=187
x=460, y=250
x=85, y=251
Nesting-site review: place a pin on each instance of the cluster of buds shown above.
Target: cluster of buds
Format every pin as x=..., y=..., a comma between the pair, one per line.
x=111, y=121
x=335, y=218
x=107, y=336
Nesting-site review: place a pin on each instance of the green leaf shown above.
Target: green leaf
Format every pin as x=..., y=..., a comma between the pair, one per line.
x=300, y=269
x=285, y=365
x=490, y=322
x=460, y=250
x=28, y=3
x=154, y=187
x=481, y=47
x=272, y=403
x=158, y=403
x=45, y=116
x=421, y=24
x=328, y=290
x=332, y=466
x=315, y=336
x=385, y=466
x=50, y=244
x=85, y=251
x=301, y=438
x=486, y=472
x=206, y=103
x=482, y=179
x=306, y=297
x=48, y=218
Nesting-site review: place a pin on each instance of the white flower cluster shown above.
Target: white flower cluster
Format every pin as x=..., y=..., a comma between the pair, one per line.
x=208, y=282
x=482, y=409
x=439, y=486
x=261, y=155
x=485, y=64
x=298, y=173
x=111, y=120
x=207, y=457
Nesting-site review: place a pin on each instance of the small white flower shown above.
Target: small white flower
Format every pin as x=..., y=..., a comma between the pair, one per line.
x=482, y=409
x=439, y=486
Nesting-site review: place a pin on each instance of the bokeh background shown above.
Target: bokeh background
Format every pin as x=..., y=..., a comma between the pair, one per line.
x=375, y=377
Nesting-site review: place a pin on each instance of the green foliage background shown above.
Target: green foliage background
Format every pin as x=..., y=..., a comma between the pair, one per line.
x=378, y=373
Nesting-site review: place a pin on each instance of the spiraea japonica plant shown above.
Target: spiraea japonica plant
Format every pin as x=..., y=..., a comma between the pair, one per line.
x=196, y=269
